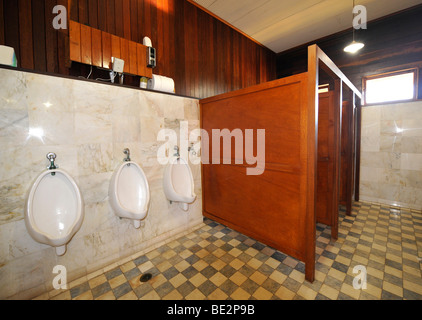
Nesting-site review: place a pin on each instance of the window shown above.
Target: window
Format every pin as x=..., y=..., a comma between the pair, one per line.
x=391, y=87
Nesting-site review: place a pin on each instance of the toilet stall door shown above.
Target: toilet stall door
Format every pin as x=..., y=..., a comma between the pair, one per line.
x=328, y=164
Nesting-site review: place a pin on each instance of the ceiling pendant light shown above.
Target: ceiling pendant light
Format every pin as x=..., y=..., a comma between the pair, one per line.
x=354, y=46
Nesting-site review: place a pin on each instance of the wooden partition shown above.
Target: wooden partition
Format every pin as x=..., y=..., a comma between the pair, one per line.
x=300, y=181
x=270, y=207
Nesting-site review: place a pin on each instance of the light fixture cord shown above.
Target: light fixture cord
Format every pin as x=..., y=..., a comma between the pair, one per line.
x=353, y=17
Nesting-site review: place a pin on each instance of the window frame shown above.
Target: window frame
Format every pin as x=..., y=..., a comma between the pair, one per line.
x=415, y=72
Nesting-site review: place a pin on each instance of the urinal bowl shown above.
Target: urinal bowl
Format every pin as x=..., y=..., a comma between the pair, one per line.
x=54, y=209
x=129, y=193
x=178, y=183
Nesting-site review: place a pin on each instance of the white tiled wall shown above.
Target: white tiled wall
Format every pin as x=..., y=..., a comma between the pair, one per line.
x=391, y=154
x=87, y=125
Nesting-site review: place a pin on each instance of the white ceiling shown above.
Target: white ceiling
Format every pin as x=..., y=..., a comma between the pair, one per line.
x=283, y=24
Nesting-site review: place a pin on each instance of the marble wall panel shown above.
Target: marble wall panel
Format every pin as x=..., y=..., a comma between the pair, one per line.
x=391, y=154
x=88, y=125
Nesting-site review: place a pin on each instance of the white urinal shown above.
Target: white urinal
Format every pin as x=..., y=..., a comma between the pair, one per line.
x=54, y=209
x=129, y=192
x=178, y=182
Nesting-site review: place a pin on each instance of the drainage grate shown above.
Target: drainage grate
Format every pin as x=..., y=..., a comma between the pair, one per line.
x=146, y=277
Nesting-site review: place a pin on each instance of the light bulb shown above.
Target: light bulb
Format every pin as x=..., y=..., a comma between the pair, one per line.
x=354, y=47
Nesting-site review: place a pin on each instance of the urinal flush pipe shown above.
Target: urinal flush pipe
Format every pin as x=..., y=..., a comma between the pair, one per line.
x=51, y=157
x=177, y=154
x=127, y=153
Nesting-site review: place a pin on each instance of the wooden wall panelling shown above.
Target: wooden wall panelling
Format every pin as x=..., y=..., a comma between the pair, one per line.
x=111, y=18
x=51, y=38
x=126, y=19
x=93, y=13
x=180, y=76
x=86, y=44
x=106, y=49
x=133, y=64
x=134, y=30
x=26, y=42
x=102, y=15
x=39, y=34
x=189, y=23
x=145, y=19
x=73, y=9
x=2, y=41
x=116, y=47
x=97, y=54
x=124, y=53
x=63, y=49
x=141, y=57
x=203, y=55
x=171, y=40
x=75, y=41
x=119, y=18
x=83, y=11
x=159, y=42
x=11, y=25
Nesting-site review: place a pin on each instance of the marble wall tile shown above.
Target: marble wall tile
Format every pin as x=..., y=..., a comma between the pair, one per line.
x=411, y=161
x=391, y=154
x=87, y=125
x=390, y=143
x=411, y=144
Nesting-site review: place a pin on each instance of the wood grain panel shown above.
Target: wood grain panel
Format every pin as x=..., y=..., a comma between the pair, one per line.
x=2, y=40
x=141, y=58
x=63, y=49
x=270, y=207
x=86, y=45
x=124, y=54
x=111, y=18
x=75, y=41
x=106, y=45
x=119, y=18
x=202, y=54
x=265, y=207
x=133, y=59
x=102, y=15
x=134, y=30
x=325, y=166
x=26, y=41
x=93, y=13
x=116, y=47
x=126, y=20
x=97, y=54
x=83, y=11
x=51, y=38
x=39, y=35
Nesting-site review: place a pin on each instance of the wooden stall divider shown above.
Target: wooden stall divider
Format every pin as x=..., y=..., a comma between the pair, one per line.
x=277, y=207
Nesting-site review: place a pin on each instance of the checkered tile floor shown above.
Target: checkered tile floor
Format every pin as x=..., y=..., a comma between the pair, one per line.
x=216, y=262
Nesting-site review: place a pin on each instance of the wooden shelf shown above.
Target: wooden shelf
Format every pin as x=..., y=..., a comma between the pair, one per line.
x=95, y=47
